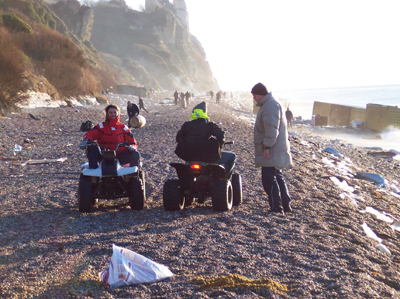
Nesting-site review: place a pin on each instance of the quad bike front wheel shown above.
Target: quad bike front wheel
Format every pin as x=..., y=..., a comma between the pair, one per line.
x=222, y=197
x=237, y=189
x=137, y=193
x=173, y=198
x=85, y=196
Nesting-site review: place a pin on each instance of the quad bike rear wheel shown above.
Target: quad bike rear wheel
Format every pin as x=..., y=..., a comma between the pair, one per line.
x=85, y=196
x=137, y=194
x=222, y=197
x=237, y=189
x=173, y=198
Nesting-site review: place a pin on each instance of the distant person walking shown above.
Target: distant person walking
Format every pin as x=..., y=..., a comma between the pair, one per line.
x=141, y=105
x=272, y=148
x=218, y=97
x=187, y=96
x=176, y=97
x=289, y=117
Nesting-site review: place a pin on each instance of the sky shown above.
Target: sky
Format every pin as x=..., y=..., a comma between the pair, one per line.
x=292, y=44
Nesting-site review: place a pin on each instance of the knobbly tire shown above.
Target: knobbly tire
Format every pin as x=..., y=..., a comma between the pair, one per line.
x=173, y=198
x=237, y=189
x=142, y=176
x=137, y=196
x=85, y=195
x=222, y=197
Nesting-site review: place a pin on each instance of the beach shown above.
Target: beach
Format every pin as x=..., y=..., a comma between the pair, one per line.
x=323, y=249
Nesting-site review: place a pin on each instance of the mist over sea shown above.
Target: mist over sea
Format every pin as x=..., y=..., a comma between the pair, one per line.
x=303, y=99
x=301, y=104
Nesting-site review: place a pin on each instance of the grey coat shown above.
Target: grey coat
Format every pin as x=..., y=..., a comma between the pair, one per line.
x=270, y=132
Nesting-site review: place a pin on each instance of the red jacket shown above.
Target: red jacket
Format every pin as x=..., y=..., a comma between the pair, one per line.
x=110, y=133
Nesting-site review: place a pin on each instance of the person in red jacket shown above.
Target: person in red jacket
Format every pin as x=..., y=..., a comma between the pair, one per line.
x=108, y=135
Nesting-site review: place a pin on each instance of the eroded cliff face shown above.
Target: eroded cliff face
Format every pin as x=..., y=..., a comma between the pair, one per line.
x=152, y=48
x=78, y=18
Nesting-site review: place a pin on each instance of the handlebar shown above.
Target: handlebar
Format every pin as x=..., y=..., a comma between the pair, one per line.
x=87, y=142
x=122, y=144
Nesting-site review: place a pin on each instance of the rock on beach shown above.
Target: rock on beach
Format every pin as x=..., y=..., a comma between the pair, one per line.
x=50, y=250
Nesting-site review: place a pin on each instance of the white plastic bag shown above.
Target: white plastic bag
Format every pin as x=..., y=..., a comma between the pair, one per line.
x=128, y=267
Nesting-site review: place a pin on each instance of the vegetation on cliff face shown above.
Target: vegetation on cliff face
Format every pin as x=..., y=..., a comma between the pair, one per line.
x=33, y=10
x=34, y=56
x=13, y=23
x=68, y=49
x=13, y=67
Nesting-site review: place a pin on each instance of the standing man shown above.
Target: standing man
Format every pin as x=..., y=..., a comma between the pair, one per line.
x=289, y=117
x=218, y=97
x=141, y=105
x=176, y=96
x=272, y=148
x=187, y=96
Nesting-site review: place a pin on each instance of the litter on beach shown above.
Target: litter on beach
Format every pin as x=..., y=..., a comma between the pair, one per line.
x=395, y=195
x=382, y=248
x=379, y=215
x=370, y=233
x=44, y=161
x=128, y=267
x=395, y=226
x=333, y=152
x=395, y=189
x=372, y=177
x=17, y=148
x=342, y=185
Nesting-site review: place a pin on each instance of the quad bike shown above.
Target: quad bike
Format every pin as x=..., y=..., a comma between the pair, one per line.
x=199, y=180
x=110, y=181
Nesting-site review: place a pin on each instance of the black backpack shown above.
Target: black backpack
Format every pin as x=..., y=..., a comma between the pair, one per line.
x=86, y=126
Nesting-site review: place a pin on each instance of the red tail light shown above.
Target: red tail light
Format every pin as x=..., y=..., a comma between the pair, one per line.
x=195, y=166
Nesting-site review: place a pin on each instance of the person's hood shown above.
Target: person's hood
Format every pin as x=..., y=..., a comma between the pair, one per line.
x=200, y=111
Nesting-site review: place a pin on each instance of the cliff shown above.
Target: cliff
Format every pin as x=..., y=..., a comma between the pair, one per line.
x=153, y=48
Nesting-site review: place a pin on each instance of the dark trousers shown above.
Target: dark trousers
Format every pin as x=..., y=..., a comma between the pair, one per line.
x=228, y=160
x=125, y=157
x=275, y=187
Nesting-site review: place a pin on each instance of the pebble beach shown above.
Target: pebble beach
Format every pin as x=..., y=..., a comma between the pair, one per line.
x=341, y=241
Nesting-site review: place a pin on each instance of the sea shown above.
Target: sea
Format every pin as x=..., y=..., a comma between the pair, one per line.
x=301, y=104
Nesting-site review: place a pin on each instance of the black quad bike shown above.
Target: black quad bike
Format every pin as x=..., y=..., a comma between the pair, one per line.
x=110, y=181
x=199, y=180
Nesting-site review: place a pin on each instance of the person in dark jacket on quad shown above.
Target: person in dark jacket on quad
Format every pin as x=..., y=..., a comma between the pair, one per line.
x=108, y=135
x=193, y=138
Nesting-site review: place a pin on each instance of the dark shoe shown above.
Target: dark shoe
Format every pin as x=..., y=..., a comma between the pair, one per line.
x=278, y=211
x=287, y=209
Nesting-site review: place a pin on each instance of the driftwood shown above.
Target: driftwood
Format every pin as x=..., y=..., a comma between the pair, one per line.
x=44, y=161
x=382, y=154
